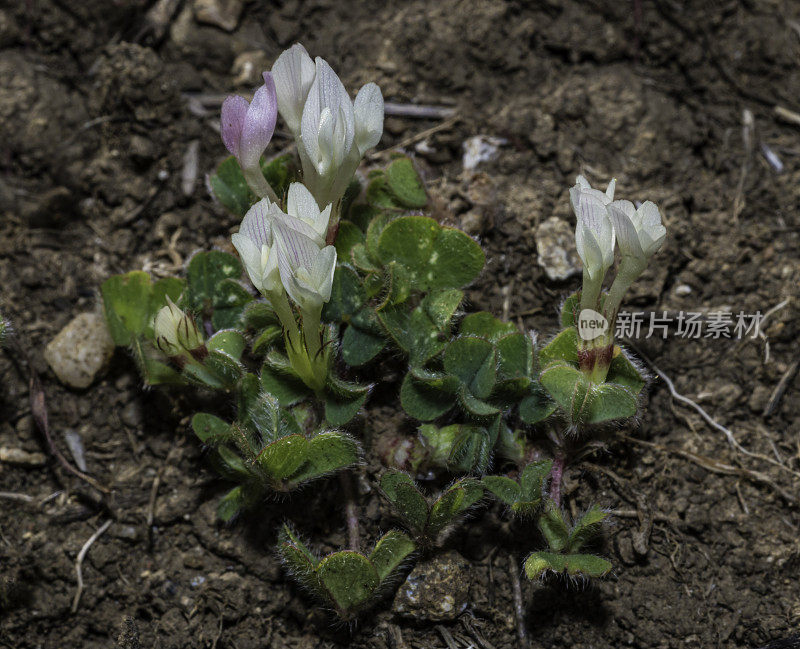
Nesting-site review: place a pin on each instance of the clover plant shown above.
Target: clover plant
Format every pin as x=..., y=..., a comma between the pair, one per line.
x=339, y=275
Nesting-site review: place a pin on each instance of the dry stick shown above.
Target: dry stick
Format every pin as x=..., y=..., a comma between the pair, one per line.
x=710, y=420
x=79, y=561
x=715, y=466
x=519, y=606
x=416, y=138
x=22, y=498
x=777, y=393
x=351, y=511
x=417, y=110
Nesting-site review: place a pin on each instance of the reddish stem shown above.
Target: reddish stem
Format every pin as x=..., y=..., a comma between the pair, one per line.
x=556, y=474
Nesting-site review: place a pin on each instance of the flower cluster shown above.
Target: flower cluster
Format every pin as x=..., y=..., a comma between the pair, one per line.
x=603, y=222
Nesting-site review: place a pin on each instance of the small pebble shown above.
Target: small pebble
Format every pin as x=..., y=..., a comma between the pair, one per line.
x=21, y=457
x=683, y=290
x=555, y=243
x=80, y=350
x=220, y=13
x=436, y=590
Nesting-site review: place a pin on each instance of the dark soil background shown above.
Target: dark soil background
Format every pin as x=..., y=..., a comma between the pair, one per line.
x=98, y=106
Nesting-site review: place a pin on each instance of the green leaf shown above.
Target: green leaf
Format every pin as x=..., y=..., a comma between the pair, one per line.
x=287, y=536
x=343, y=400
x=414, y=332
x=219, y=371
x=586, y=528
x=405, y=183
x=229, y=341
x=347, y=295
x=229, y=465
x=536, y=407
x=280, y=172
x=515, y=356
x=406, y=498
x=231, y=504
x=206, y=270
x=506, y=489
x=570, y=310
x=441, y=305
x=434, y=256
x=532, y=479
x=485, y=325
x=476, y=408
x=154, y=371
x=567, y=385
x=471, y=448
x=328, y=452
x=572, y=564
x=228, y=303
x=126, y=299
x=607, y=402
x=390, y=551
x=624, y=373
x=284, y=456
x=359, y=346
x=259, y=315
x=266, y=339
x=563, y=348
x=285, y=387
x=230, y=187
x=379, y=195
x=348, y=236
x=375, y=229
x=422, y=402
x=349, y=578
x=210, y=429
x=474, y=361
x=554, y=528
x=445, y=510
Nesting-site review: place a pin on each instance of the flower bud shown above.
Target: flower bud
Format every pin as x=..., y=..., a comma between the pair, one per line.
x=176, y=333
x=294, y=72
x=247, y=127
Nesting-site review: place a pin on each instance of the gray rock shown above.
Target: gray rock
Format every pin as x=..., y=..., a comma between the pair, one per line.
x=80, y=350
x=555, y=243
x=436, y=590
x=220, y=13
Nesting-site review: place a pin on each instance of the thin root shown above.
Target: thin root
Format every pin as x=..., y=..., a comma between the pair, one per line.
x=79, y=561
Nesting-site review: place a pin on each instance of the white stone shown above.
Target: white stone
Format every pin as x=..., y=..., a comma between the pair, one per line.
x=555, y=243
x=80, y=350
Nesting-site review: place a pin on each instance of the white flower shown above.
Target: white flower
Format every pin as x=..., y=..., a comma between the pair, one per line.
x=639, y=232
x=305, y=269
x=301, y=205
x=293, y=72
x=594, y=232
x=327, y=127
x=175, y=331
x=256, y=246
x=368, y=112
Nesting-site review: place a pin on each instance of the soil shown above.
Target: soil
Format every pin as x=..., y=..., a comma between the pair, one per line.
x=95, y=121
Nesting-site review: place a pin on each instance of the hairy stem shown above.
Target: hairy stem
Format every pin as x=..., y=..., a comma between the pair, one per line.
x=350, y=511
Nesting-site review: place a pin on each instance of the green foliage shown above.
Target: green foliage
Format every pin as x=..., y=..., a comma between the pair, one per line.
x=523, y=495
x=265, y=449
x=428, y=520
x=565, y=543
x=231, y=189
x=350, y=582
x=213, y=289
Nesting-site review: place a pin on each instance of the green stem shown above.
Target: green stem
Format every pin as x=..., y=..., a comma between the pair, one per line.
x=280, y=304
x=590, y=291
x=311, y=334
x=255, y=179
x=627, y=274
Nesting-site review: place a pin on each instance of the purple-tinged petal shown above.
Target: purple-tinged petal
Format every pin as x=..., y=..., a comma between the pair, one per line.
x=259, y=123
x=234, y=110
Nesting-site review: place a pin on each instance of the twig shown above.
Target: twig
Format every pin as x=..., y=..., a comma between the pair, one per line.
x=777, y=393
x=519, y=606
x=416, y=138
x=79, y=561
x=351, y=511
x=151, y=506
x=23, y=498
x=418, y=111
x=715, y=466
x=447, y=637
x=712, y=422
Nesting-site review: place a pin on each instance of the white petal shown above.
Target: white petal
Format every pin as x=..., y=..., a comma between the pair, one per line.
x=610, y=190
x=588, y=250
x=322, y=272
x=250, y=255
x=294, y=73
x=625, y=230
x=368, y=113
x=256, y=223
x=325, y=146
